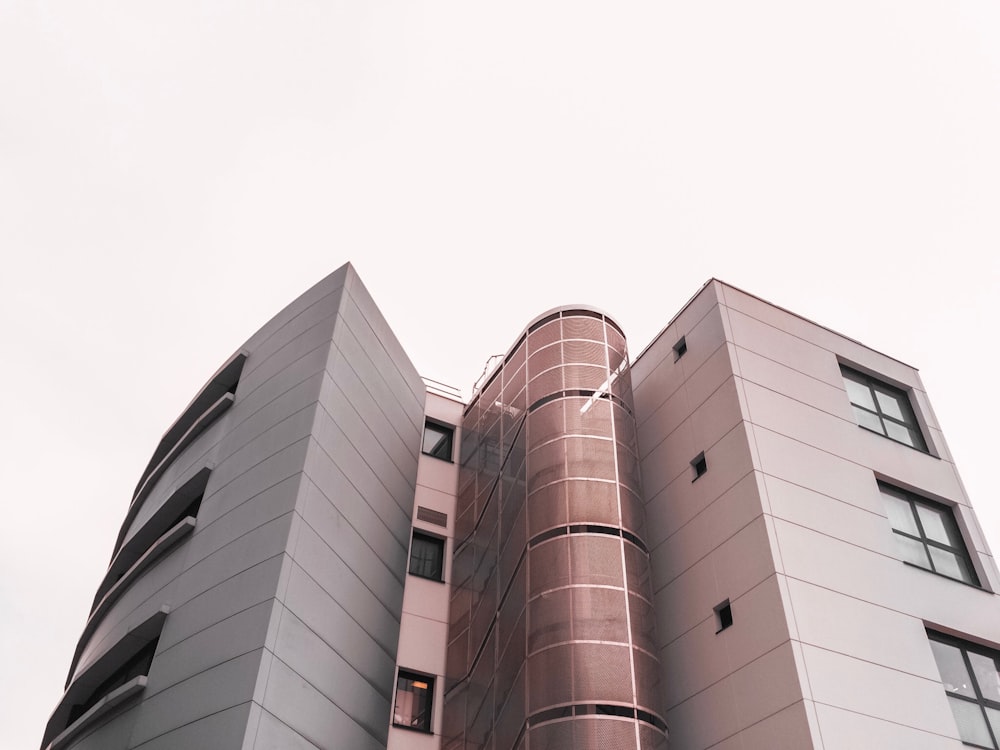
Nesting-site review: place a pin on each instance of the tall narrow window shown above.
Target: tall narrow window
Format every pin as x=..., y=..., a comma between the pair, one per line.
x=971, y=680
x=414, y=693
x=883, y=408
x=926, y=534
x=438, y=440
x=427, y=556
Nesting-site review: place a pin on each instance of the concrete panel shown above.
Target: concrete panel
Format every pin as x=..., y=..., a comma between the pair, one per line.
x=234, y=636
x=788, y=729
x=438, y=475
x=797, y=386
x=422, y=643
x=888, y=694
x=235, y=509
x=225, y=729
x=830, y=516
x=379, y=618
x=273, y=734
x=224, y=686
x=310, y=657
x=661, y=422
x=695, y=531
x=293, y=701
x=777, y=670
x=337, y=628
x=288, y=353
x=862, y=630
x=717, y=415
x=705, y=719
x=716, y=370
x=255, y=546
x=235, y=594
x=669, y=460
x=426, y=599
x=353, y=483
x=847, y=730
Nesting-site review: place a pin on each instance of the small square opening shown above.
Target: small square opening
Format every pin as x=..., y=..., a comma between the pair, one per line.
x=680, y=348
x=723, y=616
x=699, y=465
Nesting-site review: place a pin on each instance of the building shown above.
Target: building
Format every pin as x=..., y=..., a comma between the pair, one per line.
x=751, y=535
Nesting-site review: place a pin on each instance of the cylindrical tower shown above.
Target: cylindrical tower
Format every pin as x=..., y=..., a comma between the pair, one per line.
x=553, y=623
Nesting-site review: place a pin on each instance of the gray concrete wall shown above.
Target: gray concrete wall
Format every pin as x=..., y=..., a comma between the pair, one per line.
x=285, y=601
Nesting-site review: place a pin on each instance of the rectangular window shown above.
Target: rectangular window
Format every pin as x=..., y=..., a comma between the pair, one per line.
x=427, y=556
x=883, y=408
x=413, y=701
x=438, y=440
x=972, y=683
x=927, y=535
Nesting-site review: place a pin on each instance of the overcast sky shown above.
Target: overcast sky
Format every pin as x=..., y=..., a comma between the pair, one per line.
x=173, y=174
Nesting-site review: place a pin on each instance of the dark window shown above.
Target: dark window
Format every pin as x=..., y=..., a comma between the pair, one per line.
x=680, y=348
x=723, y=616
x=699, y=465
x=413, y=701
x=882, y=408
x=927, y=535
x=137, y=665
x=437, y=440
x=427, y=556
x=972, y=682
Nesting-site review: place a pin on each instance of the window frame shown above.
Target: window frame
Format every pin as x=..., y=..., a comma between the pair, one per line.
x=443, y=429
x=910, y=422
x=949, y=520
x=424, y=724
x=439, y=543
x=979, y=699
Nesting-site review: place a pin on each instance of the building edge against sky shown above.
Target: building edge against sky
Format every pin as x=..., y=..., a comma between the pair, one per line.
x=756, y=522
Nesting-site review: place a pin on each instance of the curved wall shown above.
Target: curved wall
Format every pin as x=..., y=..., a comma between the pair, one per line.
x=551, y=639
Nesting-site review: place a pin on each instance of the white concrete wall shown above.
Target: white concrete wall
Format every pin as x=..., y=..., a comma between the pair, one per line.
x=828, y=647
x=423, y=633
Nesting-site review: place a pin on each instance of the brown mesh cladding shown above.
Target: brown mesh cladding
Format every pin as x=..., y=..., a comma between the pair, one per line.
x=482, y=720
x=583, y=327
x=548, y=565
x=595, y=559
x=616, y=350
x=493, y=450
x=601, y=673
x=625, y=428
x=633, y=512
x=546, y=508
x=651, y=738
x=514, y=541
x=603, y=733
x=513, y=382
x=453, y=722
x=460, y=610
x=457, y=663
x=511, y=663
x=510, y=620
x=622, y=387
x=516, y=360
x=557, y=735
x=519, y=402
x=465, y=519
x=579, y=352
x=585, y=376
x=615, y=340
x=510, y=714
x=643, y=618
x=590, y=457
x=546, y=423
x=547, y=334
x=545, y=359
x=592, y=501
x=550, y=615
x=550, y=678
x=588, y=416
x=647, y=681
x=547, y=383
x=546, y=464
x=637, y=568
x=628, y=469
x=480, y=686
x=597, y=615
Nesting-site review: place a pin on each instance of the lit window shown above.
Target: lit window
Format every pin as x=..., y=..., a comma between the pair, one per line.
x=926, y=534
x=427, y=556
x=883, y=409
x=437, y=440
x=413, y=701
x=972, y=682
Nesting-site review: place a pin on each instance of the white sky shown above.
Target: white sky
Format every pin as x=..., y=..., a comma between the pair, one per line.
x=172, y=174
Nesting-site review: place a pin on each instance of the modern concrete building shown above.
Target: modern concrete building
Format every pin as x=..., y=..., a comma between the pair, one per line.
x=751, y=536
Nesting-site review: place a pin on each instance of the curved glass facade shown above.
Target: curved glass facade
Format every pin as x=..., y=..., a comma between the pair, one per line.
x=551, y=631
